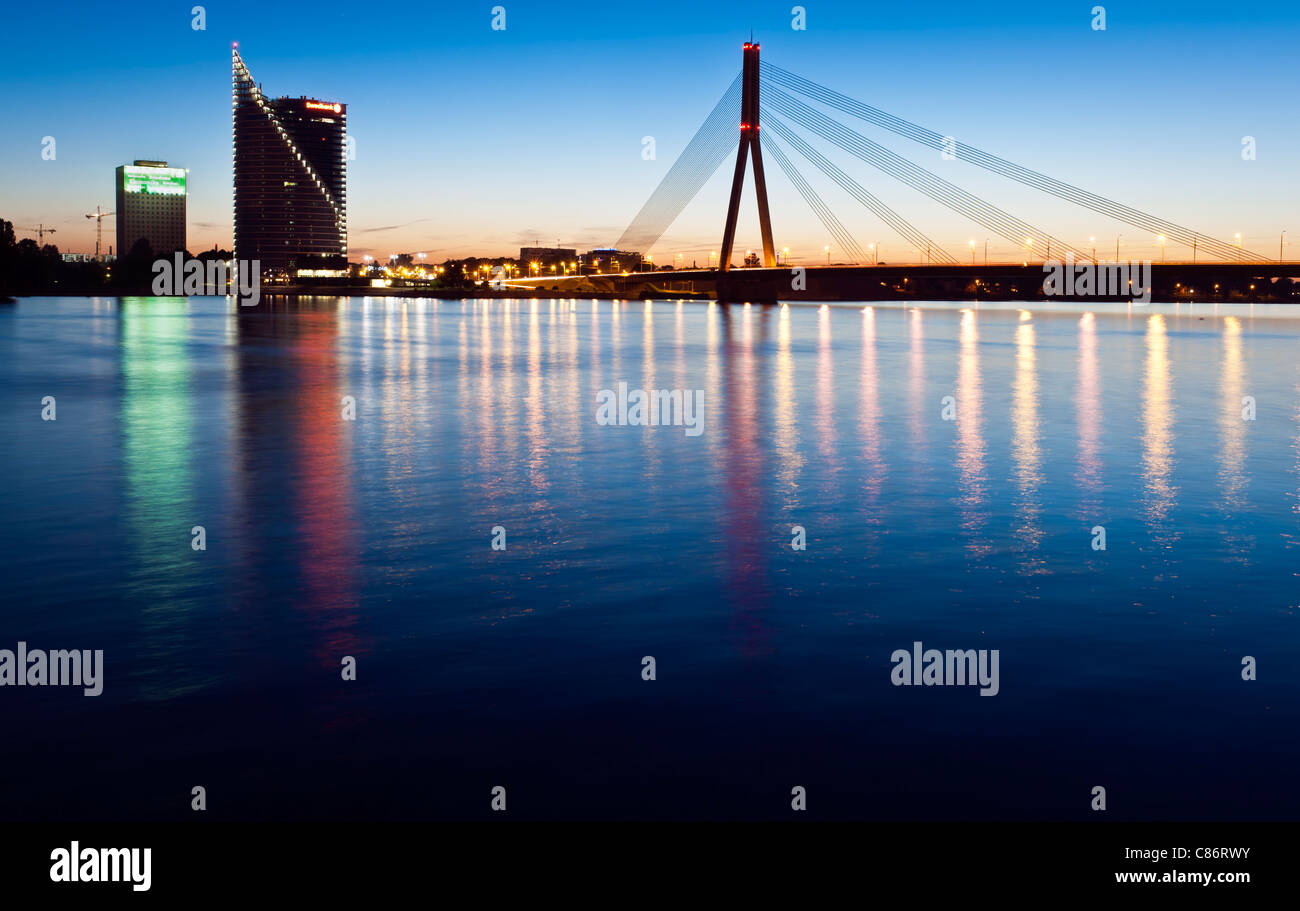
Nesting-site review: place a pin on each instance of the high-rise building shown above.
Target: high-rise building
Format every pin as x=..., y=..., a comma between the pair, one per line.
x=150, y=207
x=290, y=177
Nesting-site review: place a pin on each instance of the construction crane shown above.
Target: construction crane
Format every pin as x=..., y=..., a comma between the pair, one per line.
x=99, y=227
x=41, y=231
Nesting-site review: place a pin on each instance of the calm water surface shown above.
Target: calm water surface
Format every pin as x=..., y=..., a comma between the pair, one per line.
x=371, y=538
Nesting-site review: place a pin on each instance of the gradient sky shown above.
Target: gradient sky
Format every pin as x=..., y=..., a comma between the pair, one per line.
x=474, y=141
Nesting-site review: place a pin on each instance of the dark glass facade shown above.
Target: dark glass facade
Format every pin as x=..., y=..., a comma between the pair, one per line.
x=290, y=176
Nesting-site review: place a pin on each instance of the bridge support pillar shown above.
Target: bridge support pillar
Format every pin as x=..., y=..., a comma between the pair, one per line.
x=749, y=141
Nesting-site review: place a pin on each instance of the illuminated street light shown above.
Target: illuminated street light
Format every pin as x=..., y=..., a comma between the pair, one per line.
x=1161, y=239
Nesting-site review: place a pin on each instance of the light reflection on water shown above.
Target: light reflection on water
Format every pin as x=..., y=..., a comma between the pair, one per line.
x=371, y=538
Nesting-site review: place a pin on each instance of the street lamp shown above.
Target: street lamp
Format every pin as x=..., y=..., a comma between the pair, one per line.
x=1029, y=250
x=1161, y=239
x=1117, y=237
x=786, y=251
x=1093, y=241
x=828, y=254
x=875, y=255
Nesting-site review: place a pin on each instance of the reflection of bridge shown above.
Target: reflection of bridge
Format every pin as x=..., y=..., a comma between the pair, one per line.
x=790, y=101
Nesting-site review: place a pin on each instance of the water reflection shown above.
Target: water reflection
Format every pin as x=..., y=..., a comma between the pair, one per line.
x=535, y=407
x=1157, y=434
x=292, y=460
x=1232, y=440
x=826, y=435
x=785, y=428
x=920, y=409
x=746, y=531
x=648, y=381
x=869, y=426
x=1025, y=452
x=329, y=537
x=970, y=440
x=1088, y=417
x=158, y=452
x=322, y=491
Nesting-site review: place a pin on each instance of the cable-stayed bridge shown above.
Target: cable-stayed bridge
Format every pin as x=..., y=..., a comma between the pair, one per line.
x=776, y=107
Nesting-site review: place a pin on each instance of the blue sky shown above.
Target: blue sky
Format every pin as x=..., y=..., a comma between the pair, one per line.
x=471, y=140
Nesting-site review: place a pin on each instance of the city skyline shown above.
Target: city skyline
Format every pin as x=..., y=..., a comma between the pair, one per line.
x=471, y=141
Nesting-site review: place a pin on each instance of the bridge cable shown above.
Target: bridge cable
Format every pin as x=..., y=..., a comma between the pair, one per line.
x=900, y=225
x=926, y=182
x=1096, y=202
x=966, y=204
x=698, y=161
x=914, y=176
x=692, y=169
x=832, y=224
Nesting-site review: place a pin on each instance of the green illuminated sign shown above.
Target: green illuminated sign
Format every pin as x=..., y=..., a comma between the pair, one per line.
x=157, y=181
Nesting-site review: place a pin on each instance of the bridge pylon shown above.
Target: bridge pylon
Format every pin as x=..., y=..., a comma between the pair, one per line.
x=749, y=142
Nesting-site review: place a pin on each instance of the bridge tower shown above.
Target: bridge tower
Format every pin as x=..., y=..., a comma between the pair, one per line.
x=749, y=141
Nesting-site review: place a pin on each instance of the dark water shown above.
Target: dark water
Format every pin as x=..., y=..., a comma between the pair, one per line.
x=522, y=668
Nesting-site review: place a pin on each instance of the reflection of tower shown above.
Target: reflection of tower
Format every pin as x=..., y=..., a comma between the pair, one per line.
x=746, y=477
x=293, y=461
x=749, y=141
